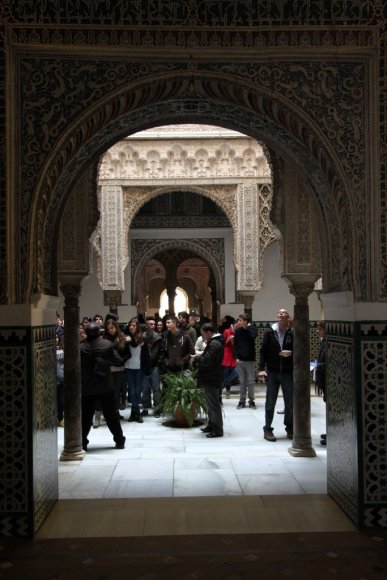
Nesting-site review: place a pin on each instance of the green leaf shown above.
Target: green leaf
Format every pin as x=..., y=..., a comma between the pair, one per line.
x=180, y=390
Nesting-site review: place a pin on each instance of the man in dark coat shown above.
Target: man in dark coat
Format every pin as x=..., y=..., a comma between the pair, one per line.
x=210, y=377
x=176, y=348
x=276, y=363
x=175, y=354
x=97, y=355
x=244, y=353
x=151, y=382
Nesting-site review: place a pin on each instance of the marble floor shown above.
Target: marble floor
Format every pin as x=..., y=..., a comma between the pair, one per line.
x=160, y=461
x=171, y=481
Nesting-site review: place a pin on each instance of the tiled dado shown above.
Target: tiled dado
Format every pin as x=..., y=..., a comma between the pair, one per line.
x=357, y=420
x=373, y=372
x=28, y=459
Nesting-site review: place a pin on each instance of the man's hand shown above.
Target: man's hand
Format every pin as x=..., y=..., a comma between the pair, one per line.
x=262, y=376
x=285, y=353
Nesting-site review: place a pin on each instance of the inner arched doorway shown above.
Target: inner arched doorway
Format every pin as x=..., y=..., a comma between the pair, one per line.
x=191, y=292
x=186, y=264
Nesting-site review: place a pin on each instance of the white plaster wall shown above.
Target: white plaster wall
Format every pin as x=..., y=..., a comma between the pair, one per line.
x=275, y=293
x=91, y=299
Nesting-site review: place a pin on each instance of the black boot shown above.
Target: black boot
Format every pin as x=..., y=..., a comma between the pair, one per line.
x=137, y=415
x=132, y=415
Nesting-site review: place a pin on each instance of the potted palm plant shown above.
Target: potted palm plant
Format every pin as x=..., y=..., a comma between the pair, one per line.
x=182, y=398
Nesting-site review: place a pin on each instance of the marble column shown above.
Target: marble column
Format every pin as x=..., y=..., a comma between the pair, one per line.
x=72, y=450
x=302, y=438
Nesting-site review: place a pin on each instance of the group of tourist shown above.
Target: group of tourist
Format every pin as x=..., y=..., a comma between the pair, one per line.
x=122, y=364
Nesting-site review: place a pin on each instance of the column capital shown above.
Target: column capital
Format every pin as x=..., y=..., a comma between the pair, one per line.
x=248, y=299
x=71, y=290
x=301, y=285
x=112, y=298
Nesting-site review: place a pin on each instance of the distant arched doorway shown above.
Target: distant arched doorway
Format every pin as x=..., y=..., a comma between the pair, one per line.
x=180, y=304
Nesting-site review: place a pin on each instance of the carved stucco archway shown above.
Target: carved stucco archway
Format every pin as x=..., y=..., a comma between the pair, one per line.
x=228, y=101
x=210, y=250
x=237, y=202
x=223, y=196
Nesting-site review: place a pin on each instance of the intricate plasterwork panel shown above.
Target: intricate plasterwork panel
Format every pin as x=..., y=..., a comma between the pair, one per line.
x=189, y=18
x=266, y=232
x=301, y=233
x=248, y=245
x=297, y=134
x=188, y=159
x=223, y=195
x=202, y=222
x=133, y=199
x=311, y=24
x=113, y=237
x=73, y=245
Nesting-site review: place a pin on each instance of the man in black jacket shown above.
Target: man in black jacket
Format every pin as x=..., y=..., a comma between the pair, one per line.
x=175, y=356
x=177, y=348
x=276, y=357
x=210, y=377
x=151, y=383
x=244, y=352
x=97, y=355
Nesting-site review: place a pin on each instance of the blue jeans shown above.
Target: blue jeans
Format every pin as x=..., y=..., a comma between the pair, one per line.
x=135, y=378
x=274, y=380
x=229, y=374
x=151, y=385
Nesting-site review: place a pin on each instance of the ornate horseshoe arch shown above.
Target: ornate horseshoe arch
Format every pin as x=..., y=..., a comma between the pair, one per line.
x=229, y=102
x=210, y=250
x=223, y=196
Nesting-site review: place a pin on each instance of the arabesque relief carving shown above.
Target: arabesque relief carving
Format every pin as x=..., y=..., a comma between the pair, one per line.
x=336, y=195
x=243, y=193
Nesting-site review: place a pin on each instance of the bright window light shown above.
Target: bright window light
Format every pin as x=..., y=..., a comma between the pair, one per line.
x=181, y=301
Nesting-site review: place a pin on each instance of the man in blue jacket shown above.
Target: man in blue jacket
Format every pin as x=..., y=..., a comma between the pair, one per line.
x=210, y=377
x=276, y=363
